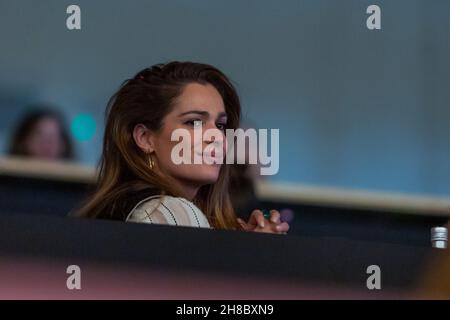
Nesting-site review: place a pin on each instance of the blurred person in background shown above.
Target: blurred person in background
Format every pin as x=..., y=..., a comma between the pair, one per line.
x=42, y=134
x=139, y=181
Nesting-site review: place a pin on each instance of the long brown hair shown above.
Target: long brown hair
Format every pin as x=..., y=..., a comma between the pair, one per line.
x=148, y=98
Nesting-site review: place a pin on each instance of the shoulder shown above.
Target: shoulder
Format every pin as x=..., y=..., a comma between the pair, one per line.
x=168, y=210
x=125, y=201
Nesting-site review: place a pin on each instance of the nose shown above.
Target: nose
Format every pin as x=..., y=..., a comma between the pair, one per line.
x=215, y=136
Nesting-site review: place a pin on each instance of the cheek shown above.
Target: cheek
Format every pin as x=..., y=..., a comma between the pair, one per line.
x=194, y=172
x=165, y=152
x=225, y=145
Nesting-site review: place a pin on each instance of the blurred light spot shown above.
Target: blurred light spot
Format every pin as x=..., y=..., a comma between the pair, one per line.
x=287, y=215
x=83, y=127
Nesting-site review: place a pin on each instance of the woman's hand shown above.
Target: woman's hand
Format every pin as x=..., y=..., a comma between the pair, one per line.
x=258, y=223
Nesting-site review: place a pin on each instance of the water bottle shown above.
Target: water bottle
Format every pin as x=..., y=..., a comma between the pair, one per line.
x=439, y=237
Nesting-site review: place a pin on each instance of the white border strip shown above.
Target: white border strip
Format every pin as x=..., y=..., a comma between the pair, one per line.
x=50, y=170
x=358, y=199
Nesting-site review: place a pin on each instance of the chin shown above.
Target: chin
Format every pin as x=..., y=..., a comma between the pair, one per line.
x=208, y=174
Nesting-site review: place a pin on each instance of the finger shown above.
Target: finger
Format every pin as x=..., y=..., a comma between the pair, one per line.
x=243, y=225
x=282, y=227
x=251, y=219
x=257, y=218
x=275, y=216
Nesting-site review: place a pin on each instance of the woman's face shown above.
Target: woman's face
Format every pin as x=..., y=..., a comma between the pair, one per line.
x=197, y=105
x=45, y=140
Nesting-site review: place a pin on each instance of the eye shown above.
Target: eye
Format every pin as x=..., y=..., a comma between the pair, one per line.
x=196, y=123
x=221, y=126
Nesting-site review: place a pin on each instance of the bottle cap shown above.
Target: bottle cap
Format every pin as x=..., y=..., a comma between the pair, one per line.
x=439, y=234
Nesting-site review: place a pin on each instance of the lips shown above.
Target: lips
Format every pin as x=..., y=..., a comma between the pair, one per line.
x=211, y=156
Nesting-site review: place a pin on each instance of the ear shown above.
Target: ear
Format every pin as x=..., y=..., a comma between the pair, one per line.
x=143, y=138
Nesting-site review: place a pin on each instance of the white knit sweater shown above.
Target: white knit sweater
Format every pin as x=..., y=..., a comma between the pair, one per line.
x=169, y=210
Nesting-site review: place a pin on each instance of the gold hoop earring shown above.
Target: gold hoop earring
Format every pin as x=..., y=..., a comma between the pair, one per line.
x=151, y=163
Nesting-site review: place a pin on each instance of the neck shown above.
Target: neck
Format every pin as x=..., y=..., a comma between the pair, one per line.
x=189, y=190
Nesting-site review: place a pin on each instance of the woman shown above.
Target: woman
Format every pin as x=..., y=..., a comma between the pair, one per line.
x=41, y=134
x=138, y=179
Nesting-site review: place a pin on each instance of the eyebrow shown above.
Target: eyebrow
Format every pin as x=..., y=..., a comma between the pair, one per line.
x=203, y=113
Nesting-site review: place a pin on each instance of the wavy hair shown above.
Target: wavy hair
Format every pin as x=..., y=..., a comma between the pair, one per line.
x=148, y=98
